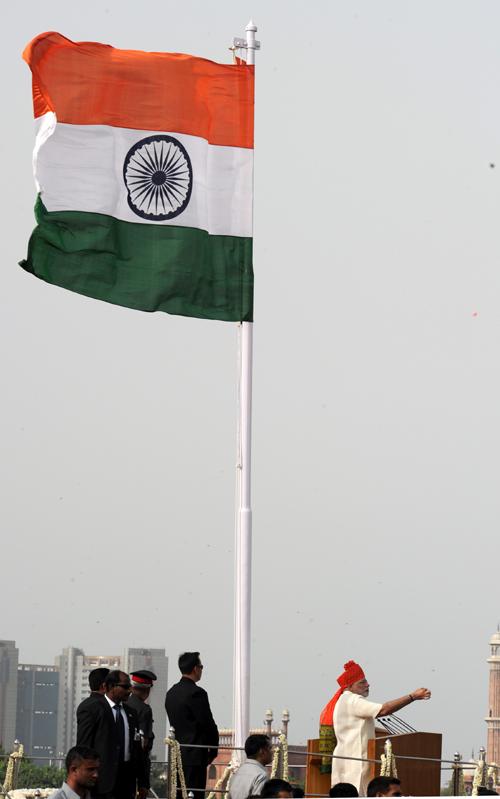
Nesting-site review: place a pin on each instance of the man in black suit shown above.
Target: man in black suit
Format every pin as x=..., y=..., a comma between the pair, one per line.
x=108, y=726
x=189, y=714
x=97, y=689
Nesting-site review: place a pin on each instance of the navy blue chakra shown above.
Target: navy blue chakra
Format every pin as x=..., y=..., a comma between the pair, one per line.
x=159, y=177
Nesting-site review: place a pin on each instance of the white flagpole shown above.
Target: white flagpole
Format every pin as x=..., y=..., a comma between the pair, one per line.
x=243, y=542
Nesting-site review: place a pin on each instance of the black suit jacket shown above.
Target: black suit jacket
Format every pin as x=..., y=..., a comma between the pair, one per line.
x=189, y=714
x=96, y=727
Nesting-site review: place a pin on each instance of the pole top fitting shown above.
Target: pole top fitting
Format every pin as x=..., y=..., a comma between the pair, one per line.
x=251, y=26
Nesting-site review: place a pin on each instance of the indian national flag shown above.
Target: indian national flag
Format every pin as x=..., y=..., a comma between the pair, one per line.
x=144, y=169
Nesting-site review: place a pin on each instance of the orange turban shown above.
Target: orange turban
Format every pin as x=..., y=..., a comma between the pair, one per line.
x=352, y=673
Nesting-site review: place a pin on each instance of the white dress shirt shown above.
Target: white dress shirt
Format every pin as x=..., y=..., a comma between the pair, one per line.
x=112, y=704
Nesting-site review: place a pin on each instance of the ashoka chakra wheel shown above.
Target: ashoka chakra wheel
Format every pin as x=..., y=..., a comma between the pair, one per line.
x=159, y=177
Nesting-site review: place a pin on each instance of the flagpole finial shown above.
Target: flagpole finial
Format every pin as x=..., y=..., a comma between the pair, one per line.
x=249, y=43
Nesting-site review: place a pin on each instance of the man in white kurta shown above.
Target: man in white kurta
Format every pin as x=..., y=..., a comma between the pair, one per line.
x=353, y=718
x=354, y=725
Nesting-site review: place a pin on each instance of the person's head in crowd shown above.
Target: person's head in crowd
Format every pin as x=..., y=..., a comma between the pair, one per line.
x=486, y=792
x=384, y=786
x=96, y=680
x=258, y=747
x=297, y=793
x=343, y=789
x=118, y=686
x=142, y=682
x=191, y=666
x=82, y=769
x=278, y=789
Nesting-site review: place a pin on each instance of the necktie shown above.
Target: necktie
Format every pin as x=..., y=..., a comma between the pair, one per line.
x=120, y=729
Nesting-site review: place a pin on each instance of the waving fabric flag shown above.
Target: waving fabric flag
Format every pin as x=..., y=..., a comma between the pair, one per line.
x=144, y=168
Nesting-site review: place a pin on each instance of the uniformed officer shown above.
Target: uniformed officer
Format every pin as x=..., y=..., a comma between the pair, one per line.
x=142, y=682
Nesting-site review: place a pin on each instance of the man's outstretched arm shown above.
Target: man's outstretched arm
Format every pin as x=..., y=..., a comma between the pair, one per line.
x=393, y=705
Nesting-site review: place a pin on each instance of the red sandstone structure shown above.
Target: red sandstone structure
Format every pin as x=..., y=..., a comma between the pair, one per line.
x=493, y=718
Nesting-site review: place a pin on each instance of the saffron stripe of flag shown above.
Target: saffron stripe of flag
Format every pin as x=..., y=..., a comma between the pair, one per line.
x=87, y=83
x=144, y=168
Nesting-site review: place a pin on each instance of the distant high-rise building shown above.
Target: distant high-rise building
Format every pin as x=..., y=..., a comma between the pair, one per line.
x=156, y=661
x=9, y=657
x=493, y=718
x=37, y=699
x=74, y=667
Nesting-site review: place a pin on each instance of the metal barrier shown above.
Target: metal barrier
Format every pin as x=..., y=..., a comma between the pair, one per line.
x=483, y=771
x=387, y=762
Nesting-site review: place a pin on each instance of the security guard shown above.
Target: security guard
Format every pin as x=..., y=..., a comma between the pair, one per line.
x=142, y=682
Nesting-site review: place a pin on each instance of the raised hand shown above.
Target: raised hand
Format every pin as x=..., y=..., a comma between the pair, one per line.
x=421, y=693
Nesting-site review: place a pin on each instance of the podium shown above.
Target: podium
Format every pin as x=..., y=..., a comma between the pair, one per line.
x=418, y=777
x=316, y=781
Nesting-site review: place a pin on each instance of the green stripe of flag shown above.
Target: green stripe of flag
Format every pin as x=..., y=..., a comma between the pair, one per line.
x=148, y=267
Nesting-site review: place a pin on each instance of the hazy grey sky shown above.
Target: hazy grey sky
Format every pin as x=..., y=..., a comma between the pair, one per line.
x=376, y=396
